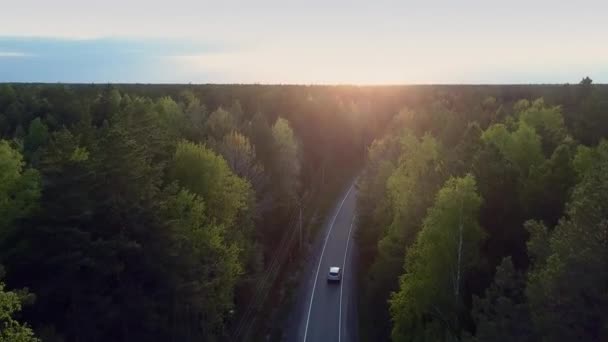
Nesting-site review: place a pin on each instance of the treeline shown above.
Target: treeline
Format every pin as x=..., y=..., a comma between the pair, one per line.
x=145, y=213
x=151, y=212
x=488, y=221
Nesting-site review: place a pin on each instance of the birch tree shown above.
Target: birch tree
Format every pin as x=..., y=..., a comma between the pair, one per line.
x=240, y=155
x=288, y=155
x=429, y=303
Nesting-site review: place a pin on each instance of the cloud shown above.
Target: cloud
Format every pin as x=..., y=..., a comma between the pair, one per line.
x=8, y=54
x=357, y=60
x=97, y=60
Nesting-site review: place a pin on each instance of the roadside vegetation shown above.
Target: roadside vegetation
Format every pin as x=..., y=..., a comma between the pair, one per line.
x=483, y=216
x=153, y=213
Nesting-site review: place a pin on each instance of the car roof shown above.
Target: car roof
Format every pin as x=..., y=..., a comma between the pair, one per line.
x=334, y=269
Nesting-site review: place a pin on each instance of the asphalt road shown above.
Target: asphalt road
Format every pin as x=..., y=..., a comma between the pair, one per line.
x=327, y=311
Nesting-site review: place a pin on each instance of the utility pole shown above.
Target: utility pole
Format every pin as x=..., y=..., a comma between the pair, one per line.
x=300, y=224
x=302, y=198
x=323, y=173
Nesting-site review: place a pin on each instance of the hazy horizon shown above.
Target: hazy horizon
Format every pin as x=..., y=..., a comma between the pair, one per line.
x=271, y=42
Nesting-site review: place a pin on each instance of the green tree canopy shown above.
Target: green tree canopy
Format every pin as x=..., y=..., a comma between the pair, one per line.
x=410, y=189
x=37, y=136
x=546, y=120
x=19, y=193
x=19, y=187
x=241, y=157
x=10, y=329
x=288, y=159
x=522, y=147
x=503, y=315
x=220, y=123
x=206, y=174
x=207, y=267
x=568, y=285
x=428, y=304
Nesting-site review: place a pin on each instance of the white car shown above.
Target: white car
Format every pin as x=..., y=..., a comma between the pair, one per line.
x=334, y=274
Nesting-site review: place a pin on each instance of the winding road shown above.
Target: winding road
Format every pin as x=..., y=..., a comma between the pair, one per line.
x=327, y=311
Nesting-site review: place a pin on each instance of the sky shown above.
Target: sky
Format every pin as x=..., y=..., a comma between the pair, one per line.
x=303, y=42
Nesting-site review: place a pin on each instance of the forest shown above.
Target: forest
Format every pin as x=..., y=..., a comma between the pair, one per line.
x=136, y=212
x=149, y=212
x=488, y=220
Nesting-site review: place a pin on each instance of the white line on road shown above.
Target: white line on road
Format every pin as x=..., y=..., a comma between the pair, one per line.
x=343, y=276
x=321, y=259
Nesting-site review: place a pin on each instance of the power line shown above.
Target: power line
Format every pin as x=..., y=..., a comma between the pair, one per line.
x=265, y=284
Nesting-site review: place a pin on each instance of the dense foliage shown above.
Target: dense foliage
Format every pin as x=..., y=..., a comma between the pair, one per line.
x=150, y=213
x=484, y=219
